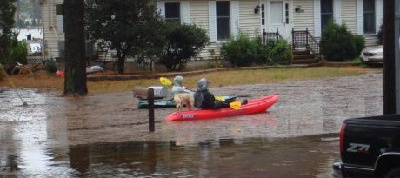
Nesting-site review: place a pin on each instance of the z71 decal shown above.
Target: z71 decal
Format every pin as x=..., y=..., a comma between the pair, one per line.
x=358, y=148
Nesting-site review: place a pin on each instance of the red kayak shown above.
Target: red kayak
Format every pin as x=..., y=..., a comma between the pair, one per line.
x=255, y=106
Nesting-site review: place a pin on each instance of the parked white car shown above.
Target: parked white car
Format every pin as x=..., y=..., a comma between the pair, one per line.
x=372, y=54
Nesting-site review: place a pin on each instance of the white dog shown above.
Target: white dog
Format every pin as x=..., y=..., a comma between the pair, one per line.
x=184, y=98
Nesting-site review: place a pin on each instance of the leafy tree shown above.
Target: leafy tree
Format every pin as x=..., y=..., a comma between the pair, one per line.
x=7, y=22
x=183, y=42
x=133, y=27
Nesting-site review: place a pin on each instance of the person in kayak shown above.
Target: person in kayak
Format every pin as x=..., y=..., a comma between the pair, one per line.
x=204, y=99
x=178, y=86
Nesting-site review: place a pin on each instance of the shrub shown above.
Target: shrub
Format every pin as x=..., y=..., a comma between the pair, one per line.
x=242, y=51
x=18, y=53
x=12, y=51
x=246, y=51
x=360, y=44
x=183, y=42
x=50, y=66
x=215, y=60
x=280, y=52
x=338, y=44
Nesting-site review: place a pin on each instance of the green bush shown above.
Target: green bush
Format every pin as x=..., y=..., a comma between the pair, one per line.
x=242, y=51
x=215, y=60
x=50, y=66
x=245, y=51
x=280, y=53
x=183, y=42
x=360, y=44
x=12, y=51
x=18, y=53
x=338, y=44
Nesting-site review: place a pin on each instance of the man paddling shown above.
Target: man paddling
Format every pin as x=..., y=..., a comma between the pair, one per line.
x=204, y=99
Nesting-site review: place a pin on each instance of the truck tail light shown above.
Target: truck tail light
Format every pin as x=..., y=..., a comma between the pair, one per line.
x=341, y=137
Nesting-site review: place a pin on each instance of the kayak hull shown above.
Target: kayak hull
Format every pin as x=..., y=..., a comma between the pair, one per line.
x=254, y=106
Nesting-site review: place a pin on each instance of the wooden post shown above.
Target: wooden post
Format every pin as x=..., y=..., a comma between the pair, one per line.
x=264, y=37
x=150, y=97
x=307, y=37
x=293, y=47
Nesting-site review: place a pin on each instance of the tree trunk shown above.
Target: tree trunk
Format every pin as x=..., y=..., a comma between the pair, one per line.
x=75, y=64
x=120, y=66
x=120, y=62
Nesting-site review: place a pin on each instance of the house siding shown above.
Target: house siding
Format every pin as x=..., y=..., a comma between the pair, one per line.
x=349, y=15
x=199, y=14
x=249, y=22
x=305, y=19
x=52, y=33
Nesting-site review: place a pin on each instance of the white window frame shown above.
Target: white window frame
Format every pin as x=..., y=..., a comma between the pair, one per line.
x=228, y=17
x=374, y=16
x=178, y=19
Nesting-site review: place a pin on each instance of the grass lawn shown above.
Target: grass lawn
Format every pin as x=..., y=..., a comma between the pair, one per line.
x=43, y=80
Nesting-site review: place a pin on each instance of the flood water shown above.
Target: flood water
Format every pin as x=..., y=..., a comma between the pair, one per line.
x=106, y=136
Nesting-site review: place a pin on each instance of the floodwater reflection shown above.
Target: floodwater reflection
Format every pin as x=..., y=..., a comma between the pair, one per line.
x=253, y=157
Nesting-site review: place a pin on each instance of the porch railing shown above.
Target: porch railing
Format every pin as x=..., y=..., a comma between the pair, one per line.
x=271, y=37
x=302, y=39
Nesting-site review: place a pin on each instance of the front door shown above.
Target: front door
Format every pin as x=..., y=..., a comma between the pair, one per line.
x=279, y=17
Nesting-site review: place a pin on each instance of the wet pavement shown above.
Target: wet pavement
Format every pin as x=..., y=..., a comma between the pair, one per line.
x=106, y=136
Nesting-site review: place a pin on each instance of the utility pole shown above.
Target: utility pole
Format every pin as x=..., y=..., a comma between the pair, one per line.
x=390, y=83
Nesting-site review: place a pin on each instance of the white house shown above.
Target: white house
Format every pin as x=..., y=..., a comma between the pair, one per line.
x=223, y=19
x=53, y=34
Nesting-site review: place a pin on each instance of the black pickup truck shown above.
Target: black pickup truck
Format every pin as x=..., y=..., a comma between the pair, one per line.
x=369, y=147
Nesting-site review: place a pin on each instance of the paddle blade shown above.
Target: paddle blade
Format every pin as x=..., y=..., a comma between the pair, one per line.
x=235, y=104
x=165, y=82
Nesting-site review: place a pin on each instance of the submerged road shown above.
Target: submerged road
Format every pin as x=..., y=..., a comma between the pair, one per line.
x=105, y=135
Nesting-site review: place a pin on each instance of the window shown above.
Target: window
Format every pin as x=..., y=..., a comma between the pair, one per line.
x=276, y=12
x=263, y=14
x=286, y=13
x=59, y=9
x=172, y=12
x=369, y=16
x=223, y=20
x=326, y=12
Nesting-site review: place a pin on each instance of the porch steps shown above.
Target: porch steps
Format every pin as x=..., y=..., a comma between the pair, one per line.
x=304, y=57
